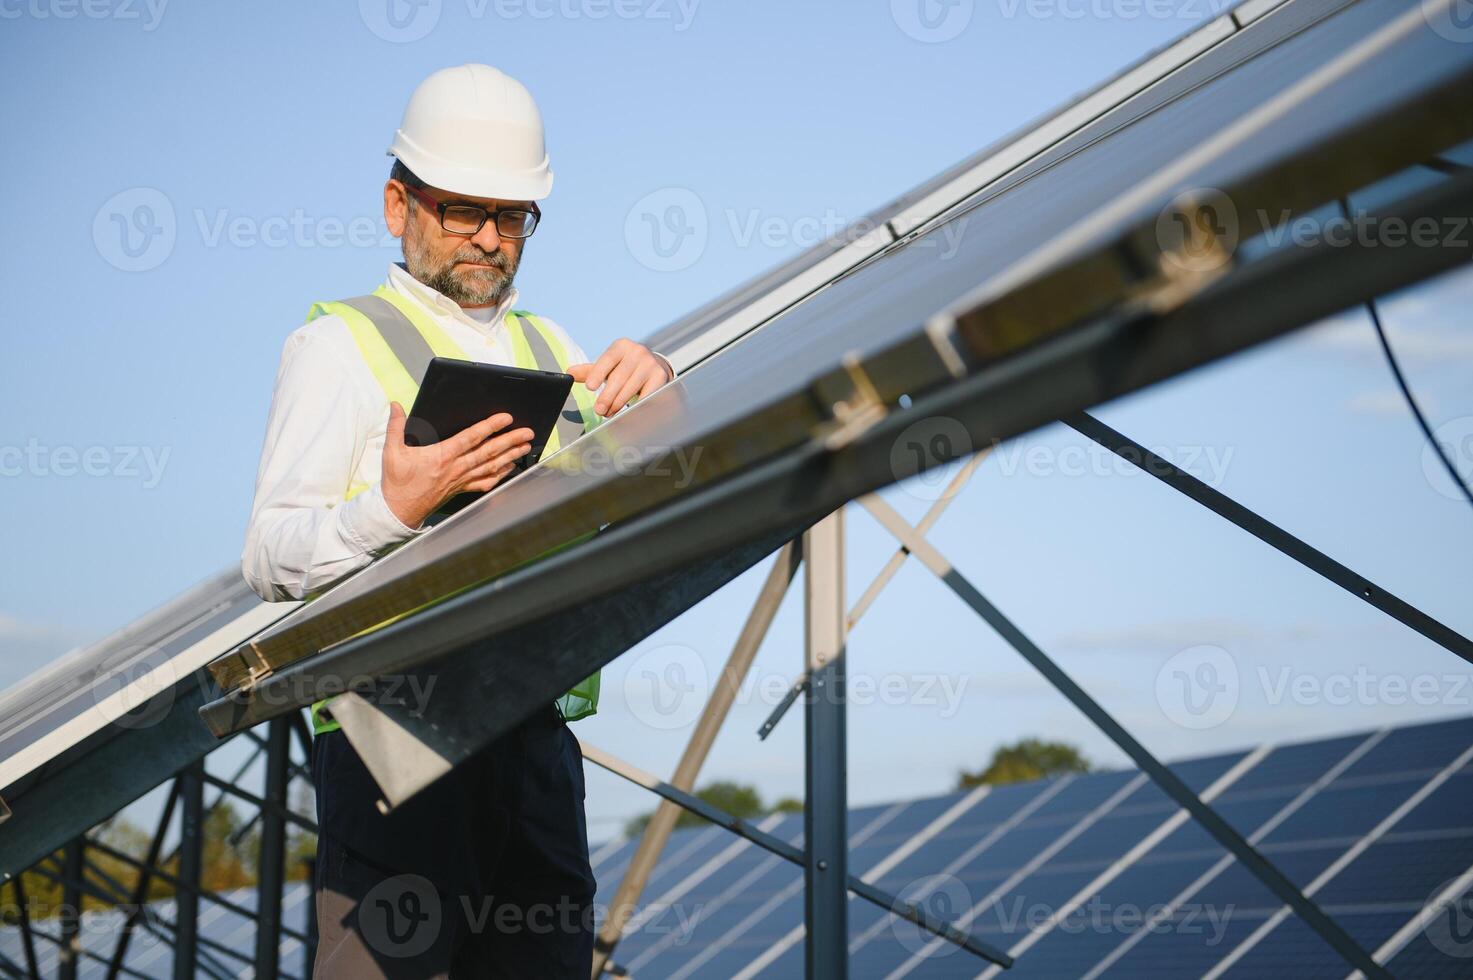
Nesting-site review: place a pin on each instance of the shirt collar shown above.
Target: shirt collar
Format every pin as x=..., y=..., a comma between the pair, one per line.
x=439, y=304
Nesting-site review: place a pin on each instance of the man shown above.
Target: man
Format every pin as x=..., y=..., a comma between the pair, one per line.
x=485, y=873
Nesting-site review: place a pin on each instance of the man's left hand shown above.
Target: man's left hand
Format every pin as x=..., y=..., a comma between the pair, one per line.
x=625, y=371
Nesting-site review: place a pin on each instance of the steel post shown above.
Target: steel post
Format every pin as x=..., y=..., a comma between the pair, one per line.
x=826, y=806
x=191, y=867
x=272, y=863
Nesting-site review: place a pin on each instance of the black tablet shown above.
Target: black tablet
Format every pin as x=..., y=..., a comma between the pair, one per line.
x=455, y=394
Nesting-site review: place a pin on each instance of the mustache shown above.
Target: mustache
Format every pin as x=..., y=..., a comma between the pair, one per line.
x=473, y=253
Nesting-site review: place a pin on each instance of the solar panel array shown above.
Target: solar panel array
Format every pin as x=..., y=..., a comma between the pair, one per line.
x=1074, y=875
x=1094, y=875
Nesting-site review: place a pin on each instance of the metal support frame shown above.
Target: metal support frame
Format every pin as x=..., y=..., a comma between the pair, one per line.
x=28, y=940
x=68, y=957
x=825, y=756
x=111, y=892
x=191, y=790
x=193, y=954
x=271, y=866
x=145, y=877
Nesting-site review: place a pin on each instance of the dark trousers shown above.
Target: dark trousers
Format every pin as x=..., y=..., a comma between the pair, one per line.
x=483, y=874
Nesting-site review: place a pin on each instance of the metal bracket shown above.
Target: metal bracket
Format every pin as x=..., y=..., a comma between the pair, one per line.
x=258, y=671
x=856, y=408
x=800, y=686
x=1192, y=246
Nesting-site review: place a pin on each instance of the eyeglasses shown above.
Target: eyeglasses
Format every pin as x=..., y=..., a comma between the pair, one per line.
x=468, y=219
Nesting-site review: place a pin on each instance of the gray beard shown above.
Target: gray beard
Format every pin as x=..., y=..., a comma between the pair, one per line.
x=481, y=287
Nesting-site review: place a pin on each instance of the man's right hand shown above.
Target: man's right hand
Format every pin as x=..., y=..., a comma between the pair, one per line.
x=418, y=479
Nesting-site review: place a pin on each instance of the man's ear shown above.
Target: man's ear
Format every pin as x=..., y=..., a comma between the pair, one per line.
x=396, y=208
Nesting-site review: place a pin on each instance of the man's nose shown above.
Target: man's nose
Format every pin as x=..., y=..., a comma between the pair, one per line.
x=487, y=238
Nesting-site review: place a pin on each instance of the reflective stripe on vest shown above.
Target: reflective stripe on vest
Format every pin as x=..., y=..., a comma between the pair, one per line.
x=397, y=341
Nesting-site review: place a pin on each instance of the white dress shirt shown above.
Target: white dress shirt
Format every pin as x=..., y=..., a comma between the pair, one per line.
x=326, y=431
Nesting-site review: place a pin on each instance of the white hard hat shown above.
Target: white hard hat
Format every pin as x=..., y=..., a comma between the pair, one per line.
x=476, y=131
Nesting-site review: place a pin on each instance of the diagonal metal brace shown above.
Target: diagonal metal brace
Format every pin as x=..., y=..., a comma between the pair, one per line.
x=800, y=686
x=1271, y=534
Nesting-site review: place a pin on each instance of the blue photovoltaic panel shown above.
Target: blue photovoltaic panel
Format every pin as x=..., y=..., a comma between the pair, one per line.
x=1292, y=767
x=1342, y=810
x=1392, y=880
x=683, y=851
x=1421, y=747
x=1447, y=808
x=971, y=827
x=1293, y=952
x=1374, y=895
x=703, y=913
x=1444, y=937
x=1403, y=868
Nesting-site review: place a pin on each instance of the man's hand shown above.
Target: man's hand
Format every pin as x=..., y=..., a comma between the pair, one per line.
x=625, y=370
x=418, y=479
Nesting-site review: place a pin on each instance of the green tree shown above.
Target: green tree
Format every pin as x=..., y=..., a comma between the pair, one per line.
x=301, y=845
x=1026, y=759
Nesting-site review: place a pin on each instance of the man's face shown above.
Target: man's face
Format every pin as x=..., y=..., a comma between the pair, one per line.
x=472, y=270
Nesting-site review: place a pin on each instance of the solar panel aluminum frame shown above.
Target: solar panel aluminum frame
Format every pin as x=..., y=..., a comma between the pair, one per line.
x=1093, y=274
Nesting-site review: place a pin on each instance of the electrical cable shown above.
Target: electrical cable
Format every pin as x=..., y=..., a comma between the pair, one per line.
x=1406, y=391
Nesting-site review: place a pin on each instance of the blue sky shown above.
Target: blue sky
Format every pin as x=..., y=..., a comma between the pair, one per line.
x=256, y=133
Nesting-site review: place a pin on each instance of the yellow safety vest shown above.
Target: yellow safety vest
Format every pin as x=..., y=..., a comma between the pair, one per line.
x=397, y=339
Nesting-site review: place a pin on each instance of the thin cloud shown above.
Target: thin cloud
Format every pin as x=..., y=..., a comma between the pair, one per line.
x=1171, y=636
